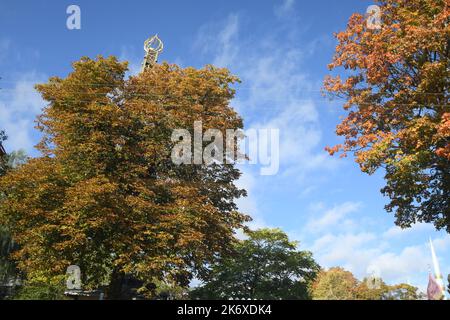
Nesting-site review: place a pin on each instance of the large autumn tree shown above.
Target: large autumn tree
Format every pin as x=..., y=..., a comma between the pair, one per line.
x=266, y=265
x=105, y=194
x=396, y=87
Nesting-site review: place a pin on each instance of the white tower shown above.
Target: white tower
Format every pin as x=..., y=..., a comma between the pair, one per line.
x=437, y=270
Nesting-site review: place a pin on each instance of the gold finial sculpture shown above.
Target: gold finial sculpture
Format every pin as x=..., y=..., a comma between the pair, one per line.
x=153, y=47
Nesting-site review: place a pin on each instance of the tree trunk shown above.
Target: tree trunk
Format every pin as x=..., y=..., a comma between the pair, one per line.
x=115, y=288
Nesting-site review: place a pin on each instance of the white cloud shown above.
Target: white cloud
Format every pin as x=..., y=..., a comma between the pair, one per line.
x=134, y=61
x=411, y=260
x=345, y=242
x=361, y=251
x=340, y=249
x=4, y=48
x=19, y=107
x=220, y=40
x=395, y=231
x=334, y=217
x=249, y=204
x=272, y=94
x=442, y=244
x=247, y=182
x=284, y=8
x=228, y=42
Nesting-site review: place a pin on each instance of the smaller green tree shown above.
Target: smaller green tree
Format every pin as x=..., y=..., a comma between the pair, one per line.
x=42, y=290
x=264, y=266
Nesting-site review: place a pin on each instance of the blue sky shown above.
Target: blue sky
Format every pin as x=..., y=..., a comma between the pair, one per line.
x=280, y=50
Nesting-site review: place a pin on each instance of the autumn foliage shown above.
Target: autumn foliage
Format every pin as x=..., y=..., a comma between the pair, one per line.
x=396, y=91
x=339, y=284
x=105, y=195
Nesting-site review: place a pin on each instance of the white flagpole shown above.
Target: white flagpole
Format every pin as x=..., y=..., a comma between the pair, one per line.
x=437, y=270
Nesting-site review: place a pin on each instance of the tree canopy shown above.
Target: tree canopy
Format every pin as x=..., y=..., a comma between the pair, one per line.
x=8, y=267
x=266, y=265
x=105, y=195
x=396, y=88
x=334, y=284
x=339, y=284
x=383, y=291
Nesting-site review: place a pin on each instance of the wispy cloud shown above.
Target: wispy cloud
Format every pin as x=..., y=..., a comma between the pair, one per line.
x=128, y=53
x=284, y=7
x=397, y=232
x=4, y=49
x=19, y=107
x=249, y=204
x=335, y=217
x=220, y=41
x=344, y=240
x=272, y=95
x=273, y=91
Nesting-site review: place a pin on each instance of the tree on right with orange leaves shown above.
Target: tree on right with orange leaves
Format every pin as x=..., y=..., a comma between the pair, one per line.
x=396, y=91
